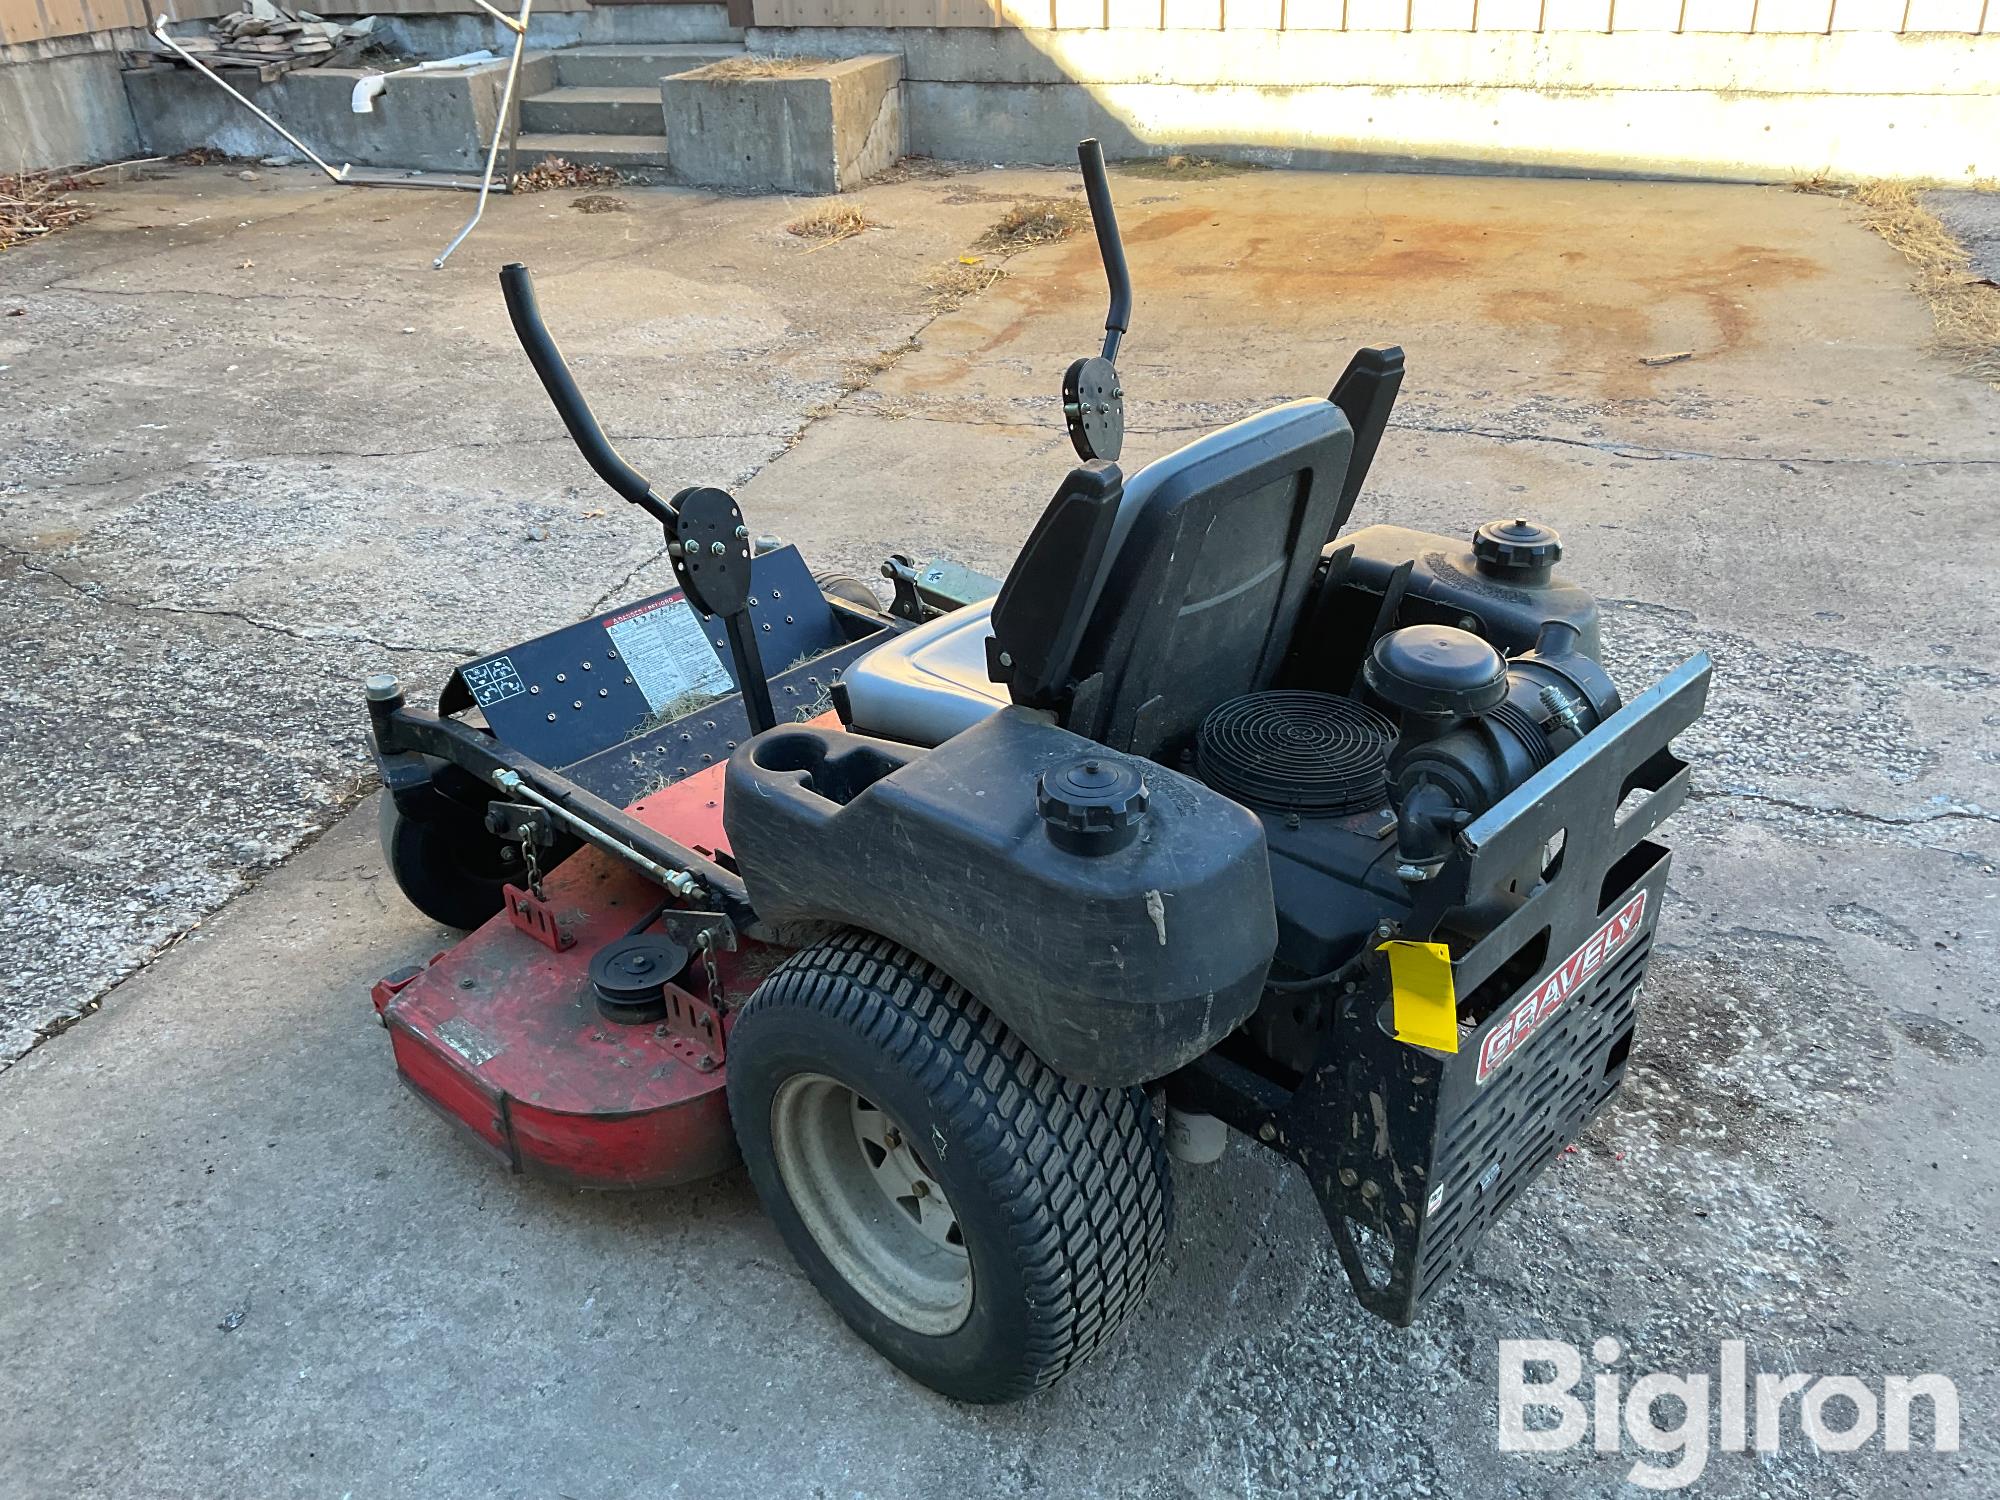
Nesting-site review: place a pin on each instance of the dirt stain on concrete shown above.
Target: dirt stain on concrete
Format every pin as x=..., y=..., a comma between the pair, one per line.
x=1616, y=318
x=1602, y=300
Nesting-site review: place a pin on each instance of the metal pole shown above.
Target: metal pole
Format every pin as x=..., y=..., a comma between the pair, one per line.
x=160, y=32
x=678, y=881
x=520, y=28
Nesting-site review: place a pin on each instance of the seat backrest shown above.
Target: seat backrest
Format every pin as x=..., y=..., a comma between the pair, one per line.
x=1137, y=606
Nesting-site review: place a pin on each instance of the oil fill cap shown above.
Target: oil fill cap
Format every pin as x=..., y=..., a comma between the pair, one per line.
x=1520, y=550
x=1438, y=671
x=1092, y=806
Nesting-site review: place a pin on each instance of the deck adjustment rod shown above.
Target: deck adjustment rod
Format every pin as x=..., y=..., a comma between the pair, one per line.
x=710, y=547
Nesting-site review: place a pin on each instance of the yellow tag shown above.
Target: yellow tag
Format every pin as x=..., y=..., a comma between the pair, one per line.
x=1426, y=1004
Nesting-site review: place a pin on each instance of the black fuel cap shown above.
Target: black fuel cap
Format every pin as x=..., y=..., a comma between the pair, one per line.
x=1520, y=550
x=630, y=977
x=1436, y=670
x=1092, y=806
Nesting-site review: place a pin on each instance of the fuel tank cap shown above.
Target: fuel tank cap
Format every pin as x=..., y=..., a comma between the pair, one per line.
x=1520, y=550
x=1092, y=806
x=1438, y=671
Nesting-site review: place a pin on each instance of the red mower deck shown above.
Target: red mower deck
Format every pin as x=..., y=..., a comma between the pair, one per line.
x=502, y=1033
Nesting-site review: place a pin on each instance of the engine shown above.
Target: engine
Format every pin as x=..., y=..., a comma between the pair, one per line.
x=1447, y=676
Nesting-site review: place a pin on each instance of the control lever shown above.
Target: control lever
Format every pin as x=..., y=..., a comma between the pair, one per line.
x=1093, y=394
x=708, y=543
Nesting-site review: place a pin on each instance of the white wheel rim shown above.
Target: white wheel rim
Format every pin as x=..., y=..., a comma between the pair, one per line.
x=871, y=1203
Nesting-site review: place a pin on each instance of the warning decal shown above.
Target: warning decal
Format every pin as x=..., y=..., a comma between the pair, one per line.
x=492, y=682
x=665, y=651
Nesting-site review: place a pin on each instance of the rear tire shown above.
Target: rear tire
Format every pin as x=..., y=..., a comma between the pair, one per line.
x=1057, y=1196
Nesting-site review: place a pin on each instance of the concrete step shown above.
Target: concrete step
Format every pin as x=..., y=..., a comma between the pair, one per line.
x=593, y=111
x=642, y=157
x=636, y=67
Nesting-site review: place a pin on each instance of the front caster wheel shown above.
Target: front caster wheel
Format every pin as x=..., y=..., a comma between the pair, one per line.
x=984, y=1222
x=449, y=866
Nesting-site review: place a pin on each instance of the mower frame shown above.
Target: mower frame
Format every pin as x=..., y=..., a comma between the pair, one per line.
x=1412, y=1150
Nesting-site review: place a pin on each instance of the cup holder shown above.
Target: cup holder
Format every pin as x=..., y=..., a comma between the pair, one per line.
x=833, y=766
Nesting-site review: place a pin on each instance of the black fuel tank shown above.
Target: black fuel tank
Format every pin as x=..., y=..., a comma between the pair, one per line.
x=1121, y=933
x=1505, y=595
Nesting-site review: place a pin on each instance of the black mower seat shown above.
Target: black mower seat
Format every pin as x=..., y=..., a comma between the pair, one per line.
x=1136, y=604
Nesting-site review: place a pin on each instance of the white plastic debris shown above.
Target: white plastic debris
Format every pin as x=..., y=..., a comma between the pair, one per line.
x=369, y=89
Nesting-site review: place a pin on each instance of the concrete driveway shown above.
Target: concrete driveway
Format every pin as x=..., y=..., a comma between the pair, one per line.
x=242, y=1261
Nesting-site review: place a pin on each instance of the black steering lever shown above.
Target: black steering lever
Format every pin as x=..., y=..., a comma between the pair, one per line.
x=706, y=539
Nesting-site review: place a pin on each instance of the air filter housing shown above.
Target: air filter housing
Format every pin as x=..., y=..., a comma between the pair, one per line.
x=1291, y=752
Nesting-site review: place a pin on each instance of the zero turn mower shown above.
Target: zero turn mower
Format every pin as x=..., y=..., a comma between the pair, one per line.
x=1211, y=811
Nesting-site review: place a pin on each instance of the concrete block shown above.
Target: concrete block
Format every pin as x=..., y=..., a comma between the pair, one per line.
x=601, y=111
x=432, y=122
x=63, y=110
x=636, y=67
x=636, y=158
x=823, y=129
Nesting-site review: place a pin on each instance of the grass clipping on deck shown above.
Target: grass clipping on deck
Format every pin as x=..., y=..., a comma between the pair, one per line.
x=1964, y=307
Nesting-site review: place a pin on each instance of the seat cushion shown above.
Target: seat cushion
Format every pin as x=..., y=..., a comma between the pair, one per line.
x=929, y=683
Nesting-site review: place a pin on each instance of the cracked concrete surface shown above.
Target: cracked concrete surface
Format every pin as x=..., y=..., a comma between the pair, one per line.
x=251, y=448
x=296, y=1281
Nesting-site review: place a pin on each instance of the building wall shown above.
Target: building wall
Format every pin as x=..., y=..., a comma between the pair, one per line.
x=62, y=103
x=1736, y=17
x=1756, y=90
x=1747, y=89
x=38, y=20
x=63, y=100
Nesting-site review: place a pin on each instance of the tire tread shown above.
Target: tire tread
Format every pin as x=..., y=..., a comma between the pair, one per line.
x=1079, y=1173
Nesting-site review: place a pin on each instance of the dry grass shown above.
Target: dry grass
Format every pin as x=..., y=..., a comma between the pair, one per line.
x=1184, y=164
x=757, y=67
x=1965, y=308
x=35, y=205
x=955, y=284
x=1819, y=185
x=862, y=372
x=556, y=172
x=1039, y=221
x=830, y=223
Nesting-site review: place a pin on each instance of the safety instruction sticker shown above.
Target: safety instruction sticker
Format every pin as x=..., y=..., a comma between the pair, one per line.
x=492, y=682
x=1426, y=1006
x=663, y=647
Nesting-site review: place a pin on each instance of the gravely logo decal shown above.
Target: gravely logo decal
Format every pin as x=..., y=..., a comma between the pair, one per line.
x=1568, y=977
